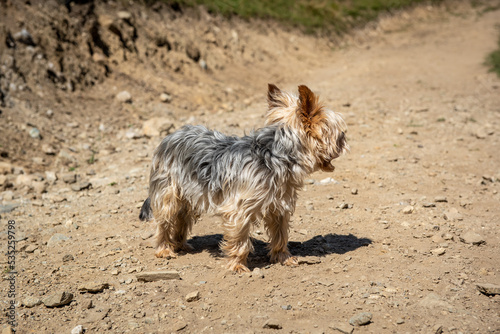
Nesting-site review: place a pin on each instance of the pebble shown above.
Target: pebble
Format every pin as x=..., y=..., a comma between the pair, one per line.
x=24, y=37
x=272, y=324
x=342, y=328
x=5, y=168
x=326, y=181
x=157, y=126
x=57, y=239
x=193, y=296
x=35, y=133
x=472, y=238
x=77, y=330
x=58, y=299
x=438, y=251
x=429, y=205
x=30, y=302
x=488, y=288
x=440, y=199
x=257, y=272
x=433, y=301
x=69, y=178
x=361, y=319
x=165, y=98
x=31, y=248
x=151, y=276
x=452, y=215
x=81, y=186
x=93, y=287
x=68, y=258
x=354, y=191
x=408, y=210
x=124, y=97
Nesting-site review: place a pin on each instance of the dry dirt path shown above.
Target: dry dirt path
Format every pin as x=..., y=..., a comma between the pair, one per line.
x=404, y=229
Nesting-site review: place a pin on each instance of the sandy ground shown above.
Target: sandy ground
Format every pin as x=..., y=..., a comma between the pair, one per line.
x=404, y=229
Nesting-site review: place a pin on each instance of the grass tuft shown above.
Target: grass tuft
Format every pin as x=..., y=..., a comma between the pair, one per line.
x=493, y=60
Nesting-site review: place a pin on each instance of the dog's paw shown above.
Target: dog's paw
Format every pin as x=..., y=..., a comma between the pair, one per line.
x=186, y=247
x=292, y=261
x=166, y=253
x=284, y=258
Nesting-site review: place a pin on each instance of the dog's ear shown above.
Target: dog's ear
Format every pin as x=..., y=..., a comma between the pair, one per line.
x=273, y=94
x=310, y=111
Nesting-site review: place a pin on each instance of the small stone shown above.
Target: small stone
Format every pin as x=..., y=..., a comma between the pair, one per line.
x=57, y=239
x=58, y=299
x=408, y=210
x=343, y=206
x=354, y=191
x=488, y=289
x=123, y=15
x=165, y=98
x=30, y=302
x=286, y=307
x=342, y=328
x=400, y=321
x=433, y=301
x=157, y=126
x=472, y=238
x=35, y=133
x=68, y=258
x=452, y=215
x=326, y=181
x=93, y=287
x=309, y=260
x=24, y=37
x=69, y=178
x=257, y=272
x=193, y=52
x=440, y=199
x=428, y=205
x=48, y=149
x=81, y=186
x=77, y=330
x=309, y=181
x=151, y=276
x=193, y=296
x=124, y=97
x=361, y=319
x=31, y=248
x=5, y=168
x=272, y=324
x=438, y=251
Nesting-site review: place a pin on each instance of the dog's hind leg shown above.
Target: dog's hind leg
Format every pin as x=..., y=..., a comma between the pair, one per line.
x=277, y=227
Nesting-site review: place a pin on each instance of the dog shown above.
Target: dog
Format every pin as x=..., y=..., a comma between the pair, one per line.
x=247, y=180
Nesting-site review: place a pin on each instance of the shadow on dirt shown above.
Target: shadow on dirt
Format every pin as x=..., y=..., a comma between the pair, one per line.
x=319, y=245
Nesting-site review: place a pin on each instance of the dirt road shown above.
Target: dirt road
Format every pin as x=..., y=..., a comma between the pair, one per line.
x=404, y=229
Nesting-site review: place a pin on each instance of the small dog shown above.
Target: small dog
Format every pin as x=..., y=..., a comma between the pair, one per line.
x=246, y=180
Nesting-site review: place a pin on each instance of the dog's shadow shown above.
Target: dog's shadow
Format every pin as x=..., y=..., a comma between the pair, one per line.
x=319, y=245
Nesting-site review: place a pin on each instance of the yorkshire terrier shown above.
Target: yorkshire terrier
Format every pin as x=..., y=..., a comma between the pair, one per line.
x=247, y=180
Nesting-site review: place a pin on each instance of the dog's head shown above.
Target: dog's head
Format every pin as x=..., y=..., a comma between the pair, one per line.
x=322, y=131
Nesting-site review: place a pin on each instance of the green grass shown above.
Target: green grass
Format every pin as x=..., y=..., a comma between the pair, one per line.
x=311, y=15
x=493, y=60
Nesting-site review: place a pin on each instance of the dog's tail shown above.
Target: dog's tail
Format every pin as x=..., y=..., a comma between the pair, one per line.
x=146, y=212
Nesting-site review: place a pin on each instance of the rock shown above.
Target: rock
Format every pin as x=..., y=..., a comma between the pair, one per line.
x=193, y=52
x=326, y=181
x=472, y=238
x=48, y=149
x=50, y=176
x=488, y=289
x=93, y=287
x=25, y=180
x=66, y=158
x=179, y=325
x=77, y=330
x=35, y=133
x=151, y=276
x=31, y=248
x=30, y=302
x=440, y=199
x=257, y=272
x=123, y=15
x=342, y=328
x=69, y=178
x=58, y=299
x=57, y=239
x=81, y=186
x=8, y=330
x=24, y=37
x=8, y=207
x=272, y=324
x=438, y=251
x=309, y=260
x=39, y=187
x=354, y=191
x=429, y=205
x=68, y=258
x=452, y=215
x=433, y=301
x=361, y=319
x=408, y=209
x=165, y=98
x=124, y=97
x=133, y=134
x=157, y=126
x=5, y=168
x=193, y=296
